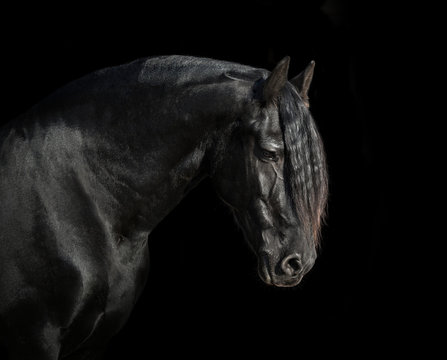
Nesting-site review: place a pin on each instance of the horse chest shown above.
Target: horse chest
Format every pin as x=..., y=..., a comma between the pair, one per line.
x=122, y=282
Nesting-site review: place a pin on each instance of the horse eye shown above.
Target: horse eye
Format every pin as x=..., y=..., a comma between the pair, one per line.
x=269, y=155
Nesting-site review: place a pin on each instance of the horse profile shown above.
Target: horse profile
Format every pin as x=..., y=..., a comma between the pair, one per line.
x=89, y=172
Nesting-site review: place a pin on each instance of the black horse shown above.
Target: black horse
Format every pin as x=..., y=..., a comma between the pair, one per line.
x=88, y=173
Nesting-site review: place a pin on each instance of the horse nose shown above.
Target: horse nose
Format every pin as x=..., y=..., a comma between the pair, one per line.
x=291, y=265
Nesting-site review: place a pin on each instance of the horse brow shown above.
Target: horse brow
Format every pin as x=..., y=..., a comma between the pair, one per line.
x=270, y=141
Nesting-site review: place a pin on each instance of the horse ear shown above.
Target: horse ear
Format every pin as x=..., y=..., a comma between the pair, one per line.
x=276, y=80
x=303, y=80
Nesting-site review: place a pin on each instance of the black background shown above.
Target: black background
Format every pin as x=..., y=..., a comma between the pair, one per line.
x=203, y=294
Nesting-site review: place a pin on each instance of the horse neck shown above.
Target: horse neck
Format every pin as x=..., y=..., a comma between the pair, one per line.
x=170, y=144
x=198, y=122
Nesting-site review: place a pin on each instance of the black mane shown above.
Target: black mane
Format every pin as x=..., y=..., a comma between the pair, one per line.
x=187, y=70
x=306, y=178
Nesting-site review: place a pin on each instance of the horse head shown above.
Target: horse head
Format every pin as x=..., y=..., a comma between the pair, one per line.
x=273, y=175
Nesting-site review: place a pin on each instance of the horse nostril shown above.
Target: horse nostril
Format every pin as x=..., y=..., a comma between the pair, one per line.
x=291, y=265
x=295, y=264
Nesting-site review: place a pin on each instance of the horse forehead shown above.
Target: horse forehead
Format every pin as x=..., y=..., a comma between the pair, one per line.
x=270, y=124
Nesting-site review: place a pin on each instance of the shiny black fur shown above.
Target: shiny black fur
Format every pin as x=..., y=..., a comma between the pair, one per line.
x=87, y=174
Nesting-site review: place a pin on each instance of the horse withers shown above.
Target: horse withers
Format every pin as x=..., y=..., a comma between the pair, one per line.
x=88, y=173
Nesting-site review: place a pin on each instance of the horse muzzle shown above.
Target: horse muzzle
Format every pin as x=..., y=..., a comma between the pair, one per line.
x=283, y=272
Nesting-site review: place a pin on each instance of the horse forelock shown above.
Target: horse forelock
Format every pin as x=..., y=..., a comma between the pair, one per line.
x=305, y=171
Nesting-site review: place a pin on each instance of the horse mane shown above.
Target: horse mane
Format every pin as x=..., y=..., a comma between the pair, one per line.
x=189, y=70
x=305, y=171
